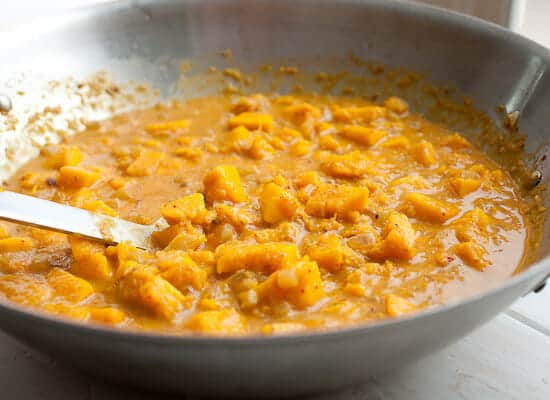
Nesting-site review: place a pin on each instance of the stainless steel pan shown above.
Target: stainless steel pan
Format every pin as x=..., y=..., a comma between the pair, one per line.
x=491, y=65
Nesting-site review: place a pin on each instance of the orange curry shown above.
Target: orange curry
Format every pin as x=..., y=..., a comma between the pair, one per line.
x=285, y=213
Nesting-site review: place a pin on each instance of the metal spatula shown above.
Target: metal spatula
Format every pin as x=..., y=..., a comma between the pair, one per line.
x=47, y=214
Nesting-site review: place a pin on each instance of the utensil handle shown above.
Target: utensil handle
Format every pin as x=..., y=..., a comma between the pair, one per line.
x=28, y=210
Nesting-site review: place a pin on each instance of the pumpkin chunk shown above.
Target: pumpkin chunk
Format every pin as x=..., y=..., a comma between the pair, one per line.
x=189, y=208
x=362, y=134
x=337, y=200
x=300, y=284
x=427, y=208
x=396, y=105
x=168, y=126
x=277, y=203
x=218, y=322
x=364, y=114
x=397, y=241
x=76, y=177
x=89, y=259
x=65, y=156
x=224, y=183
x=140, y=286
x=69, y=286
x=424, y=153
x=472, y=254
x=146, y=164
x=108, y=315
x=351, y=165
x=14, y=244
x=181, y=271
x=464, y=186
x=264, y=257
x=330, y=253
x=253, y=121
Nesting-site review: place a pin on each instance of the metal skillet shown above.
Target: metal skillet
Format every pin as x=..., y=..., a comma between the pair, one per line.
x=491, y=65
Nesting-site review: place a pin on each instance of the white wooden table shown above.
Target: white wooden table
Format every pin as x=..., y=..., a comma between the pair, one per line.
x=508, y=358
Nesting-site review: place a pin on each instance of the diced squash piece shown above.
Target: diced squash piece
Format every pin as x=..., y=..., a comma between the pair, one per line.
x=465, y=186
x=127, y=267
x=330, y=253
x=424, y=153
x=427, y=208
x=25, y=289
x=397, y=305
x=146, y=164
x=188, y=238
x=476, y=217
x=90, y=261
x=189, y=208
x=361, y=134
x=98, y=206
x=328, y=142
x=364, y=114
x=301, y=111
x=224, y=183
x=108, y=315
x=396, y=142
x=182, y=236
x=67, y=285
x=361, y=237
x=397, y=242
x=168, y=126
x=141, y=287
x=218, y=322
x=350, y=165
x=324, y=128
x=472, y=254
x=47, y=237
x=337, y=201
x=300, y=284
x=355, y=289
x=203, y=257
x=260, y=148
x=277, y=203
x=180, y=270
x=253, y=121
x=255, y=102
x=396, y=104
x=414, y=181
x=237, y=216
x=65, y=156
x=189, y=153
x=455, y=142
x=265, y=257
x=288, y=134
x=300, y=148
x=32, y=180
x=276, y=142
x=307, y=178
x=233, y=73
x=123, y=252
x=208, y=304
x=13, y=244
x=73, y=177
x=239, y=139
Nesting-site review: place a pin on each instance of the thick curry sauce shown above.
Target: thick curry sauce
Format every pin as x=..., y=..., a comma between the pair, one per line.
x=285, y=213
